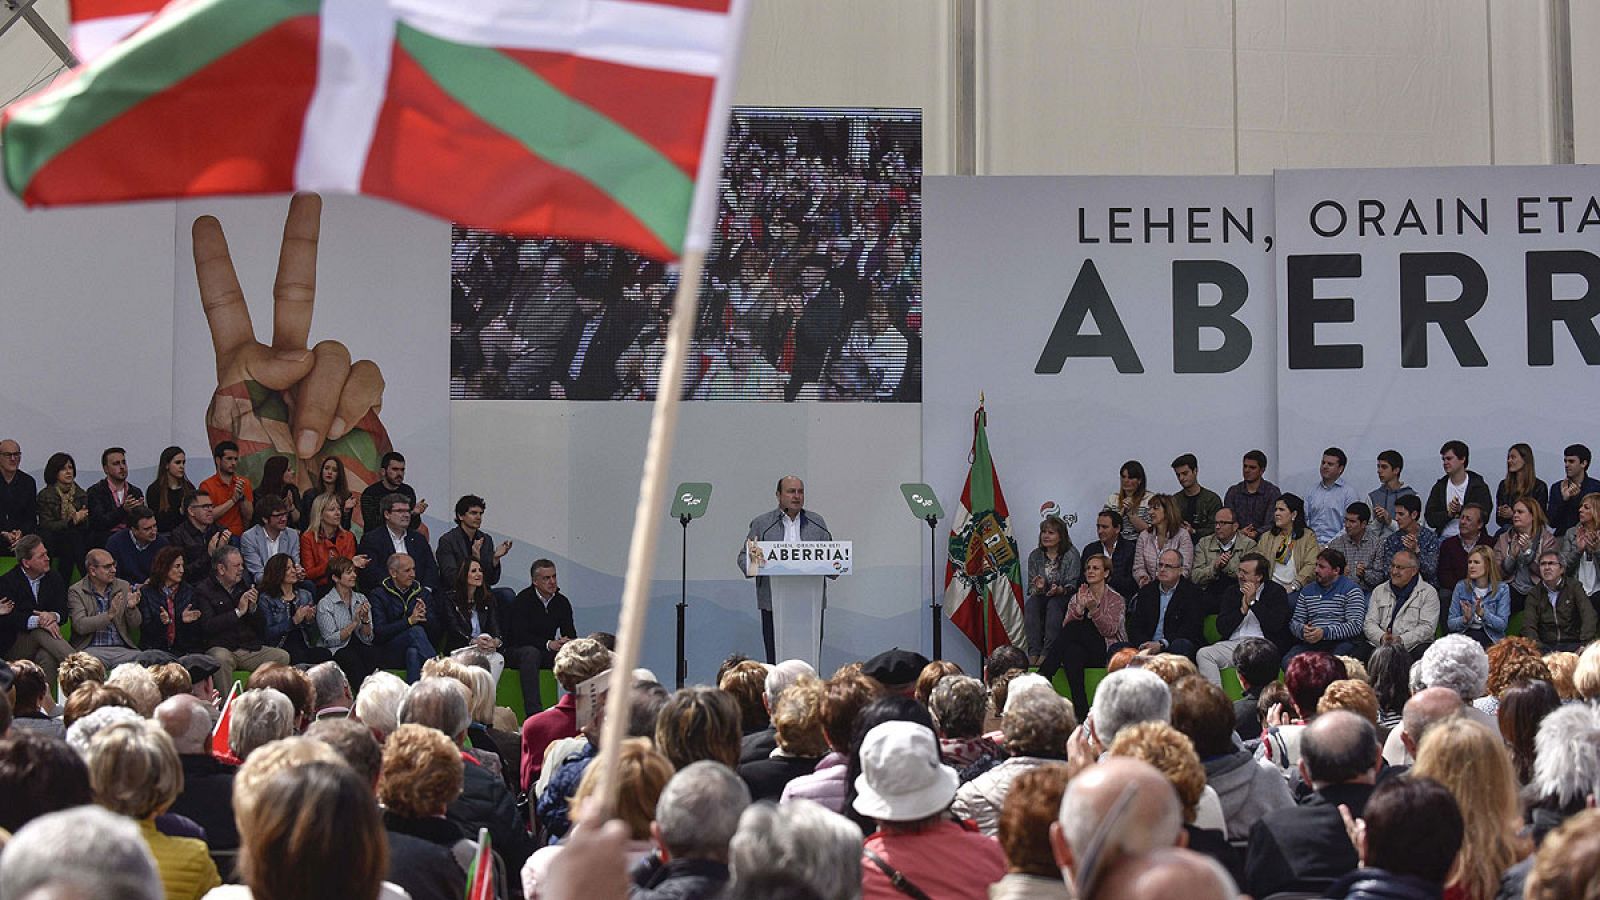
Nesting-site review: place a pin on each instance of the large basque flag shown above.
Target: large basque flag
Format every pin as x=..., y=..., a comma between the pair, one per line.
x=571, y=118
x=983, y=555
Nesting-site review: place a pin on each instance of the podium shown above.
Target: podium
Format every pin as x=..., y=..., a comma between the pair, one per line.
x=798, y=574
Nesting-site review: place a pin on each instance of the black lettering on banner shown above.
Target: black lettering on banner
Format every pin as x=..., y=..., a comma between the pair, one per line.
x=1578, y=313
x=1417, y=311
x=1189, y=316
x=1306, y=310
x=1088, y=297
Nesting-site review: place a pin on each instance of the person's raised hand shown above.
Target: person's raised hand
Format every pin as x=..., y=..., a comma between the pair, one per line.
x=326, y=395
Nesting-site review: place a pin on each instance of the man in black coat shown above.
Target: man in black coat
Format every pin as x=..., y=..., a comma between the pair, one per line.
x=1166, y=615
x=537, y=623
x=696, y=817
x=384, y=539
x=19, y=497
x=1305, y=847
x=1260, y=609
x=33, y=604
x=207, y=795
x=1108, y=526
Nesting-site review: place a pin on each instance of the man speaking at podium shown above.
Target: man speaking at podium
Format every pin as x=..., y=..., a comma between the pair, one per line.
x=790, y=522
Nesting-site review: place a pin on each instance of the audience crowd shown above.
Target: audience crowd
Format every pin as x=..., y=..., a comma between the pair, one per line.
x=1373, y=740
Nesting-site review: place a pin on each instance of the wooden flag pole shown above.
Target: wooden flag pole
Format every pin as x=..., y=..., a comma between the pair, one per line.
x=651, y=509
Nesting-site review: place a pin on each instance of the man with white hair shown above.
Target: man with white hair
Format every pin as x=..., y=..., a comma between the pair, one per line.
x=1153, y=818
x=1127, y=697
x=696, y=816
x=758, y=745
x=259, y=717
x=378, y=704
x=801, y=842
x=47, y=855
x=485, y=801
x=1566, y=766
x=1458, y=663
x=207, y=795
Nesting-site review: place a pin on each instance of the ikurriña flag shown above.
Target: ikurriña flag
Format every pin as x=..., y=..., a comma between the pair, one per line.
x=583, y=120
x=983, y=577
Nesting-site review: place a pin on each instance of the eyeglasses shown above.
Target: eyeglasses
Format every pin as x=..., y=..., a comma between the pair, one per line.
x=1170, y=565
x=11, y=454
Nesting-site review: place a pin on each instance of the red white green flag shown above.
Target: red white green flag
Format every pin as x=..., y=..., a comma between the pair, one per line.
x=583, y=120
x=983, y=573
x=480, y=877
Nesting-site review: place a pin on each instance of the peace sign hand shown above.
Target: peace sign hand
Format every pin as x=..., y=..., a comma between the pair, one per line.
x=326, y=394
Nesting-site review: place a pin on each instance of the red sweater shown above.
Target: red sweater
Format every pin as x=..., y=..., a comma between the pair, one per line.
x=543, y=729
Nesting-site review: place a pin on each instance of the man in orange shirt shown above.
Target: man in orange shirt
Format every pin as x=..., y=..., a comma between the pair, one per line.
x=230, y=491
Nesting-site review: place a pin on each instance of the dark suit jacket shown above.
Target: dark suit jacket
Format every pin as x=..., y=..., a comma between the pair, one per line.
x=372, y=501
x=1304, y=848
x=19, y=502
x=14, y=586
x=378, y=547
x=1121, y=577
x=529, y=623
x=194, y=543
x=1272, y=610
x=207, y=798
x=1185, y=618
x=454, y=551
x=220, y=625
x=105, y=514
x=769, y=527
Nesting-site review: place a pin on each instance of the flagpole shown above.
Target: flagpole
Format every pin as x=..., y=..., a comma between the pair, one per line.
x=648, y=512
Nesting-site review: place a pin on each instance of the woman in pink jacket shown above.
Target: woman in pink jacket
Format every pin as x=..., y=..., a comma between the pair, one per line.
x=1092, y=629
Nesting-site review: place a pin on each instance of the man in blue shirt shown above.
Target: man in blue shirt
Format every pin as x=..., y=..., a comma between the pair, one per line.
x=1166, y=615
x=1329, y=498
x=1329, y=612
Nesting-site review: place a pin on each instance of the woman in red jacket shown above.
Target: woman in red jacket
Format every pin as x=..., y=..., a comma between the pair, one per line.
x=326, y=538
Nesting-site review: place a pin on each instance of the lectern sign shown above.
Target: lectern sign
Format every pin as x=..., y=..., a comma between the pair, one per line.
x=798, y=557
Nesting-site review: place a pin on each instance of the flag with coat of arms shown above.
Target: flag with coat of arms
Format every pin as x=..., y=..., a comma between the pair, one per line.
x=983, y=576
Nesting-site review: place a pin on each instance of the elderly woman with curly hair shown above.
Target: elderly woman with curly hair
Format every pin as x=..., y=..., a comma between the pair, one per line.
x=1511, y=659
x=421, y=776
x=801, y=743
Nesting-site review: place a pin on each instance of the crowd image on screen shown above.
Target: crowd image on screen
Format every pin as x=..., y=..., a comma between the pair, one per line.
x=812, y=288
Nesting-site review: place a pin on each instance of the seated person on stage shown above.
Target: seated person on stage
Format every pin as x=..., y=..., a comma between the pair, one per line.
x=1453, y=550
x=231, y=492
x=1581, y=548
x=344, y=618
x=135, y=547
x=1411, y=534
x=1197, y=504
x=466, y=541
x=105, y=613
x=1118, y=552
x=401, y=611
x=324, y=539
x=391, y=480
x=270, y=536
x=472, y=619
x=1361, y=546
x=1260, y=608
x=1562, y=510
x=1389, y=489
x=231, y=620
x=169, y=617
x=1403, y=611
x=1216, y=559
x=1558, y=614
x=112, y=498
x=1481, y=603
x=1166, y=616
x=33, y=603
x=1253, y=498
x=1454, y=490
x=1290, y=544
x=19, y=498
x=199, y=536
x=537, y=623
x=1328, y=612
x=394, y=535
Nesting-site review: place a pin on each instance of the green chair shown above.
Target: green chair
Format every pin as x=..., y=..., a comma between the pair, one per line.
x=1231, y=685
x=1091, y=680
x=1210, y=629
x=7, y=563
x=1514, y=624
x=508, y=692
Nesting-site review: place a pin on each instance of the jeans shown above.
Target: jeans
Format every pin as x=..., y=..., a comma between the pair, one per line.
x=408, y=649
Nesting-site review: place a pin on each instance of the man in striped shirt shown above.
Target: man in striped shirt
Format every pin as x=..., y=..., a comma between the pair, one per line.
x=1328, y=613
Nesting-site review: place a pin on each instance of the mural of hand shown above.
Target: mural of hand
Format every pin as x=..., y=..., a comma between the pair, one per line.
x=283, y=397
